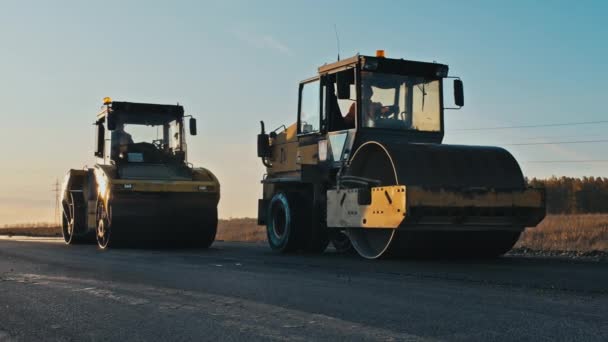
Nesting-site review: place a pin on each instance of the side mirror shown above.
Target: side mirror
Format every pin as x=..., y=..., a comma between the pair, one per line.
x=343, y=85
x=111, y=119
x=263, y=143
x=192, y=125
x=458, y=93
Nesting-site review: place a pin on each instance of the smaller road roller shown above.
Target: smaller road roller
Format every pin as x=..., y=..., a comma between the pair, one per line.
x=364, y=168
x=142, y=188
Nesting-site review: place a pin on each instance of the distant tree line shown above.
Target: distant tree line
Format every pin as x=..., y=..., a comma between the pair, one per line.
x=566, y=195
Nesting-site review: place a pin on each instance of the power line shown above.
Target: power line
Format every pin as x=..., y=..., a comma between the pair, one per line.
x=532, y=126
x=566, y=161
x=565, y=136
x=560, y=142
x=535, y=139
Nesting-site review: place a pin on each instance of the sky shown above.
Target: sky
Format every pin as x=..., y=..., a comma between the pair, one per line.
x=234, y=63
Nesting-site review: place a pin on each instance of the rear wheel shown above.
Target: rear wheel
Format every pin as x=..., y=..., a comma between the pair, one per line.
x=316, y=235
x=284, y=222
x=71, y=221
x=103, y=231
x=317, y=240
x=67, y=227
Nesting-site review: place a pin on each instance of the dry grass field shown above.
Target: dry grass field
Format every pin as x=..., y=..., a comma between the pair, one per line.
x=236, y=229
x=240, y=229
x=579, y=233
x=31, y=229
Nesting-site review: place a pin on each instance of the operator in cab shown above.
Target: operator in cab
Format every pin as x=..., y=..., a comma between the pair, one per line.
x=371, y=110
x=120, y=140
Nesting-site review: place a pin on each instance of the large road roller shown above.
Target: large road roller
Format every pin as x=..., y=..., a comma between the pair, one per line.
x=142, y=188
x=364, y=167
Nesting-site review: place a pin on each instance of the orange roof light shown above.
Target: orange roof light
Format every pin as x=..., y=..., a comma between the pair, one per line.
x=380, y=53
x=107, y=100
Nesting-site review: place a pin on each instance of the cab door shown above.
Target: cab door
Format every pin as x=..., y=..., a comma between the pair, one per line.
x=309, y=124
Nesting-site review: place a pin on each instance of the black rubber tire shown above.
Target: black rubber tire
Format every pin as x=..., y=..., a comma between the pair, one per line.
x=66, y=230
x=317, y=241
x=103, y=230
x=285, y=222
x=316, y=236
x=69, y=234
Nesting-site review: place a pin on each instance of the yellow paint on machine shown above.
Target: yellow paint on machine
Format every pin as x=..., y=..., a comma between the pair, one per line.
x=308, y=155
x=386, y=210
x=164, y=186
x=284, y=158
x=284, y=151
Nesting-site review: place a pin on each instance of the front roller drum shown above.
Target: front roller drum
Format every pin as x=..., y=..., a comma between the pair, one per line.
x=161, y=230
x=377, y=243
x=436, y=166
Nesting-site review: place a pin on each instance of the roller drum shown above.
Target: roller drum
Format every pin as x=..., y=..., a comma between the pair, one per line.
x=435, y=166
x=168, y=219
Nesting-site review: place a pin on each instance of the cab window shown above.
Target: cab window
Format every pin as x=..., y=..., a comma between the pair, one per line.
x=341, y=96
x=310, y=106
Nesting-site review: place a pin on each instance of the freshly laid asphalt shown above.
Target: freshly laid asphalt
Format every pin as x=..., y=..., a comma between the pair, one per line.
x=245, y=292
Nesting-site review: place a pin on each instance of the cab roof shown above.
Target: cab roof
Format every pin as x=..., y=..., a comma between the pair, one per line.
x=387, y=65
x=141, y=109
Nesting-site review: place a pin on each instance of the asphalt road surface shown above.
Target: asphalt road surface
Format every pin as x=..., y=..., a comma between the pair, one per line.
x=244, y=292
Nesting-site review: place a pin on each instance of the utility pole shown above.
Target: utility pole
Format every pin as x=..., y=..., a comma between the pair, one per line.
x=57, y=191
